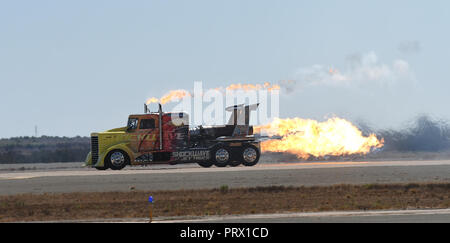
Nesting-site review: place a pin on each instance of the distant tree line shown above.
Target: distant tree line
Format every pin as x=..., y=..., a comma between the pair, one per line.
x=44, y=149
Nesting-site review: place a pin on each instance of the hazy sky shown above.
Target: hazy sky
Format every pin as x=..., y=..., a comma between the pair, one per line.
x=73, y=67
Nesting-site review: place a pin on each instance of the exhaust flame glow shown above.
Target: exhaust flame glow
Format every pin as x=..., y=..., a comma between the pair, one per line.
x=174, y=95
x=179, y=93
x=151, y=100
x=170, y=96
x=247, y=87
x=306, y=138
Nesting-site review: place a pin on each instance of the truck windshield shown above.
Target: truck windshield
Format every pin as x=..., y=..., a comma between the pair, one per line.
x=132, y=123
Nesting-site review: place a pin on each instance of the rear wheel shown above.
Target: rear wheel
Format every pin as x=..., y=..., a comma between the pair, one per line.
x=116, y=160
x=221, y=156
x=250, y=155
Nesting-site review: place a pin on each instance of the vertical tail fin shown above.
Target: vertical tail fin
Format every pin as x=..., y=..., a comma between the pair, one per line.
x=240, y=118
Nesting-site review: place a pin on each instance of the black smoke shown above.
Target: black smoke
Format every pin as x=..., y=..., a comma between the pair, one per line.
x=422, y=134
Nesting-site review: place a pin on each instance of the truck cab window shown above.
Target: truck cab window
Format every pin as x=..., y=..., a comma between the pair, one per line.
x=147, y=124
x=132, y=124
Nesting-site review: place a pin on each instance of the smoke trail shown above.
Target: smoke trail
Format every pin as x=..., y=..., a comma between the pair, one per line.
x=362, y=71
x=424, y=135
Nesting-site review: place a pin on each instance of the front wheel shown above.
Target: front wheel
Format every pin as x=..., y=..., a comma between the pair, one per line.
x=116, y=160
x=250, y=155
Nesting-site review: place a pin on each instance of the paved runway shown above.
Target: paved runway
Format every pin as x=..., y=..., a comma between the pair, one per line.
x=374, y=216
x=195, y=177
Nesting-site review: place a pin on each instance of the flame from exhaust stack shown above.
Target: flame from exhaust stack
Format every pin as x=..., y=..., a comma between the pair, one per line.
x=306, y=138
x=179, y=93
x=174, y=95
x=152, y=100
x=248, y=87
x=170, y=96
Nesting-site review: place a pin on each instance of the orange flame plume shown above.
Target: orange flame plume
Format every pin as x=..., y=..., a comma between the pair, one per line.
x=247, y=87
x=304, y=138
x=170, y=96
x=173, y=95
x=179, y=93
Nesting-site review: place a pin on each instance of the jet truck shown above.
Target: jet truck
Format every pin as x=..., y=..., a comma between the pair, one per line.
x=166, y=138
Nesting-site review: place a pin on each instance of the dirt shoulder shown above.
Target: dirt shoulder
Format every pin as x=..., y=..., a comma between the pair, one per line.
x=222, y=201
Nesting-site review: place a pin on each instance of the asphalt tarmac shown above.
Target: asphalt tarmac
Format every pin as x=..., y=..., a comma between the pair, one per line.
x=375, y=216
x=380, y=216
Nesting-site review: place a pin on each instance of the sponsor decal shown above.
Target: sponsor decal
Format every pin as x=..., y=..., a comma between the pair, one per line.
x=191, y=155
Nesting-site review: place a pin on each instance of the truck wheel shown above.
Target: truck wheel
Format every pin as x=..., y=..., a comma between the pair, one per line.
x=250, y=155
x=116, y=160
x=205, y=164
x=221, y=156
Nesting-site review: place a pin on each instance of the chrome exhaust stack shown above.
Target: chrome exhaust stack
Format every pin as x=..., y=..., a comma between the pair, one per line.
x=160, y=128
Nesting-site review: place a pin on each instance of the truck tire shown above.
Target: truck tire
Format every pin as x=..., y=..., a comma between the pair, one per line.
x=249, y=155
x=116, y=159
x=221, y=156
